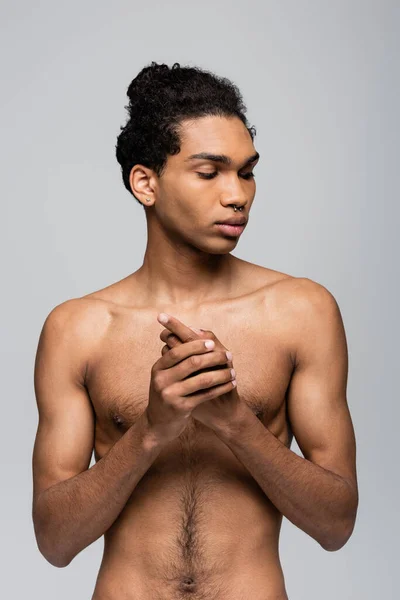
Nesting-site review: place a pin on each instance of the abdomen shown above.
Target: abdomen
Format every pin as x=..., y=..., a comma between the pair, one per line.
x=197, y=523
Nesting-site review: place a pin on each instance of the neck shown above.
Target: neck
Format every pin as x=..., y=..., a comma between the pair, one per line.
x=176, y=274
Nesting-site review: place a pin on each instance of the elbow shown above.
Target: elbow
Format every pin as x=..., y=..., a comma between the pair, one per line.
x=53, y=555
x=333, y=545
x=339, y=538
x=343, y=530
x=60, y=563
x=46, y=547
x=56, y=559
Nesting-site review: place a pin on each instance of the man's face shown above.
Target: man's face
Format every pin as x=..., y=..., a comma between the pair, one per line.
x=195, y=193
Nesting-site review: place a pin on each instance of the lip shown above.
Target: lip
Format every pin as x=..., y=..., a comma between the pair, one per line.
x=233, y=221
x=231, y=230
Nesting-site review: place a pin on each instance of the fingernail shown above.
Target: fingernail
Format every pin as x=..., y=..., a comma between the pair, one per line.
x=228, y=355
x=209, y=344
x=233, y=372
x=163, y=318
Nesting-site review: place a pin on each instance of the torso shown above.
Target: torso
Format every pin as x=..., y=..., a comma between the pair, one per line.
x=197, y=524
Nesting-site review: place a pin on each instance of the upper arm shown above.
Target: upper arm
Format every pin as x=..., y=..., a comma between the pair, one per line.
x=317, y=402
x=64, y=439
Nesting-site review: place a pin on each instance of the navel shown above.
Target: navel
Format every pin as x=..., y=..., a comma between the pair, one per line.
x=188, y=584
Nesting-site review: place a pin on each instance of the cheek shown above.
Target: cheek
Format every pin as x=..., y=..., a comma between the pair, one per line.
x=175, y=188
x=185, y=198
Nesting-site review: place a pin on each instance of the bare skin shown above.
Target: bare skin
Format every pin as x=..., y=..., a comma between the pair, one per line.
x=177, y=518
x=181, y=515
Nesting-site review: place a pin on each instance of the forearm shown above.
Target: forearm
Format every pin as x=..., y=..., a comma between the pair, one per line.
x=314, y=499
x=72, y=514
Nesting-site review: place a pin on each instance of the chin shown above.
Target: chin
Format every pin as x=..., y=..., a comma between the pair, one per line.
x=222, y=247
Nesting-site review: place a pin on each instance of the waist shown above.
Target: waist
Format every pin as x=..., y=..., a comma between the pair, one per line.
x=250, y=579
x=183, y=534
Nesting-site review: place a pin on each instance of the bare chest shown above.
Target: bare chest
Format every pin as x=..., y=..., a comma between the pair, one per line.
x=119, y=377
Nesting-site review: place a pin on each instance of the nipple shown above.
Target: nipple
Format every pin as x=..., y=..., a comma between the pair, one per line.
x=118, y=421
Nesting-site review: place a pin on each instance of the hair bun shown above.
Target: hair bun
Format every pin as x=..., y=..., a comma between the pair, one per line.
x=147, y=75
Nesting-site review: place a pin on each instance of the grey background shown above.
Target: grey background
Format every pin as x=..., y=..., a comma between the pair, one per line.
x=321, y=82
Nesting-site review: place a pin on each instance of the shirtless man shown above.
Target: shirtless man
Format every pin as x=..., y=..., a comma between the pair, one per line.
x=193, y=465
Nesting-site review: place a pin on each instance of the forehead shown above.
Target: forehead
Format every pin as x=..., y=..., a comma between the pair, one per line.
x=217, y=135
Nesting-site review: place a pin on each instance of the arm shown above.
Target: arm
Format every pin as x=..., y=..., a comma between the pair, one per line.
x=319, y=492
x=73, y=505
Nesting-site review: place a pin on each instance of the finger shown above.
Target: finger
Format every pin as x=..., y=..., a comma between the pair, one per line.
x=211, y=393
x=199, y=331
x=170, y=345
x=184, y=333
x=173, y=341
x=166, y=336
x=208, y=361
x=180, y=352
x=205, y=380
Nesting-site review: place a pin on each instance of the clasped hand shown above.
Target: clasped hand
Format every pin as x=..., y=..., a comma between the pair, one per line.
x=218, y=413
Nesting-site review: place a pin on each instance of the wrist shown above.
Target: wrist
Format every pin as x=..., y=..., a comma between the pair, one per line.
x=240, y=421
x=152, y=437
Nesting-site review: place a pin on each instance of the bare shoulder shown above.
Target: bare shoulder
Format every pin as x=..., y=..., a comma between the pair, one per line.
x=309, y=313
x=304, y=294
x=78, y=315
x=288, y=290
x=75, y=325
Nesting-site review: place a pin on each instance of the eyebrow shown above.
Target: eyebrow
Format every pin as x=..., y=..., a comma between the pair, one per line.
x=222, y=158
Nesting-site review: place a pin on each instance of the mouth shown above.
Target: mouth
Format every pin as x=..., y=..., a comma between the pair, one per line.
x=234, y=221
x=230, y=230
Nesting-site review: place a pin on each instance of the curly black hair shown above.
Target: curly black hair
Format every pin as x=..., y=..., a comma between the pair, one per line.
x=160, y=98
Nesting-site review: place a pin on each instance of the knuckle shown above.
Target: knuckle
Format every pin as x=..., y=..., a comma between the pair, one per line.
x=206, y=380
x=155, y=369
x=166, y=395
x=209, y=393
x=194, y=360
x=173, y=353
x=186, y=405
x=228, y=374
x=157, y=382
x=209, y=333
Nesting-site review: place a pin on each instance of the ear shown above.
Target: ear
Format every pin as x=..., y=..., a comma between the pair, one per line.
x=143, y=184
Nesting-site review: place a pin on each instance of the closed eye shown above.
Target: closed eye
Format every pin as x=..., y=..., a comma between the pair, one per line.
x=250, y=175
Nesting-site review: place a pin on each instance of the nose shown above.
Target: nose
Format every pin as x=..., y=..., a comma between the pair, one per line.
x=234, y=195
